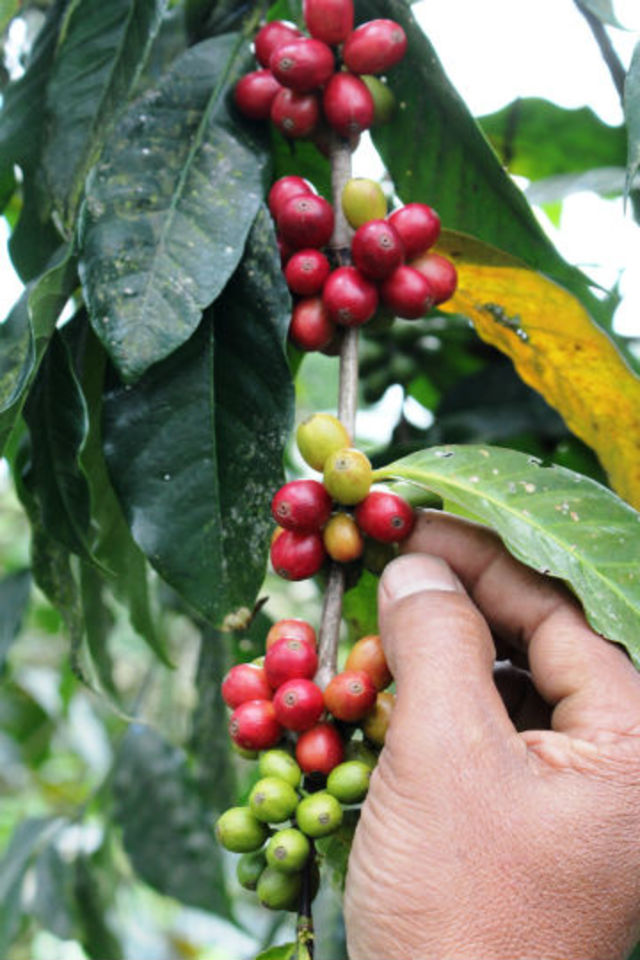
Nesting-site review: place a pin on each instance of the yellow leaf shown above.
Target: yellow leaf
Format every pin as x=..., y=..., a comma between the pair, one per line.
x=556, y=348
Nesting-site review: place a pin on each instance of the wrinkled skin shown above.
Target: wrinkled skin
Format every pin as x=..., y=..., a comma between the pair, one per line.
x=503, y=819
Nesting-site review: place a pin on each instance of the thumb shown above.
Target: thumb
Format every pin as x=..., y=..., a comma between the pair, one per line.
x=441, y=653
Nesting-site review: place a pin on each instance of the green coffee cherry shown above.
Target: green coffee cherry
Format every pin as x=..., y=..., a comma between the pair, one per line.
x=348, y=475
x=319, y=815
x=363, y=200
x=273, y=800
x=384, y=102
x=279, y=763
x=278, y=890
x=349, y=781
x=318, y=436
x=288, y=850
x=249, y=868
x=240, y=831
x=357, y=750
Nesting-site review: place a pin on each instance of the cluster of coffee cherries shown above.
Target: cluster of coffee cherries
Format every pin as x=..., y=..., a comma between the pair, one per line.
x=301, y=85
x=332, y=518
x=315, y=753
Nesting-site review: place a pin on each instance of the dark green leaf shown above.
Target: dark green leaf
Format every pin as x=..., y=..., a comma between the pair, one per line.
x=169, y=43
x=169, y=208
x=34, y=239
x=101, y=51
x=210, y=742
x=195, y=447
x=26, y=723
x=95, y=935
x=53, y=903
x=98, y=621
x=167, y=831
x=632, y=116
x=14, y=595
x=554, y=520
x=335, y=849
x=301, y=159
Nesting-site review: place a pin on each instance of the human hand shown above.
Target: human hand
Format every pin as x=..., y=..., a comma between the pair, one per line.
x=479, y=839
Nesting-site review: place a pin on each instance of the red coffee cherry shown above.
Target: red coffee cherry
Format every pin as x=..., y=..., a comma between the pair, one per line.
x=254, y=94
x=306, y=272
x=245, y=681
x=375, y=47
x=295, y=114
x=306, y=221
x=298, y=704
x=272, y=36
x=291, y=628
x=319, y=749
x=301, y=505
x=407, y=293
x=377, y=249
x=350, y=695
x=342, y=538
x=367, y=654
x=349, y=297
x=385, y=516
x=303, y=65
x=296, y=556
x=253, y=725
x=284, y=189
x=311, y=327
x=290, y=660
x=329, y=20
x=441, y=274
x=348, y=105
x=418, y=226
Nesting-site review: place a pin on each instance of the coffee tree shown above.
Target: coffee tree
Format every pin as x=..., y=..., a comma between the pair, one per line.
x=210, y=296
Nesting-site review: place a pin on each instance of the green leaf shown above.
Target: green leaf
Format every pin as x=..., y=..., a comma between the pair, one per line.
x=53, y=904
x=98, y=622
x=603, y=10
x=195, y=447
x=8, y=10
x=335, y=849
x=286, y=951
x=169, y=208
x=360, y=607
x=167, y=832
x=301, y=159
x=14, y=596
x=632, y=117
x=99, y=56
x=550, y=518
x=210, y=742
x=95, y=936
x=35, y=239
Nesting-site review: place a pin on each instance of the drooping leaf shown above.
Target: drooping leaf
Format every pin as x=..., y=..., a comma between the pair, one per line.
x=34, y=239
x=53, y=903
x=98, y=621
x=101, y=51
x=14, y=595
x=632, y=117
x=169, y=207
x=210, y=742
x=95, y=935
x=167, y=831
x=603, y=10
x=194, y=448
x=557, y=349
x=550, y=518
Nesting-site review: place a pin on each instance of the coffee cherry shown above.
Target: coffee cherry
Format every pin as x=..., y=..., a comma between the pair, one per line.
x=376, y=723
x=320, y=749
x=273, y=800
x=350, y=695
x=367, y=654
x=245, y=754
x=240, y=831
x=348, y=475
x=385, y=516
x=441, y=274
x=349, y=782
x=301, y=505
x=349, y=297
x=319, y=815
x=295, y=114
x=306, y=272
x=290, y=660
x=306, y=221
x=291, y=629
x=376, y=249
x=363, y=200
x=254, y=93
x=297, y=556
x=272, y=36
x=384, y=102
x=303, y=65
x=375, y=47
x=418, y=227
x=320, y=435
x=253, y=725
x=298, y=704
x=358, y=750
x=279, y=763
x=329, y=20
x=407, y=293
x=347, y=104
x=311, y=327
x=342, y=538
x=249, y=868
x=245, y=681
x=278, y=890
x=288, y=850
x=284, y=189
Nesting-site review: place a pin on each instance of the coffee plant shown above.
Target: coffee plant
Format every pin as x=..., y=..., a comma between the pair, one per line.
x=194, y=689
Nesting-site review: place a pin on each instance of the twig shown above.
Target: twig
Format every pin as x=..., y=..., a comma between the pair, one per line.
x=607, y=49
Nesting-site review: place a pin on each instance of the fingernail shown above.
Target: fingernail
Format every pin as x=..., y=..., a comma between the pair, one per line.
x=414, y=573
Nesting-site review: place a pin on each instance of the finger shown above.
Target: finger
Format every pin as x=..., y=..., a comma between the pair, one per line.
x=591, y=682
